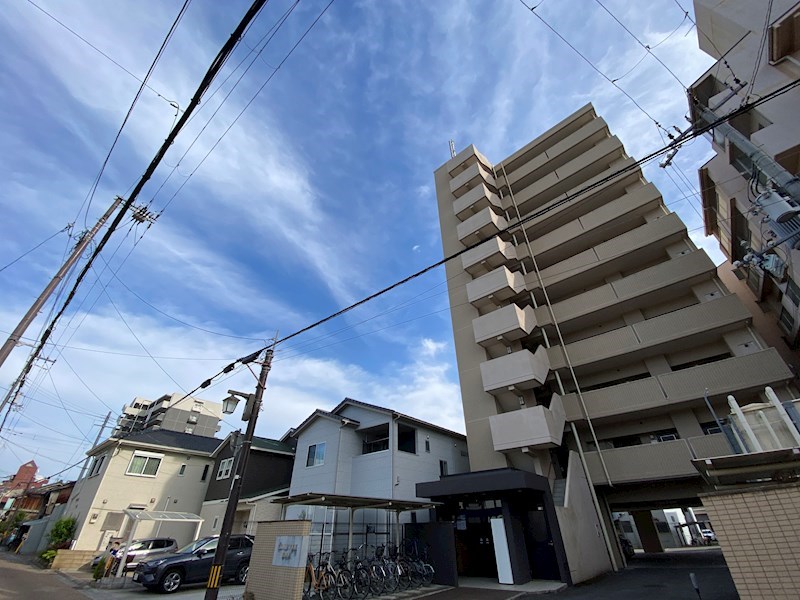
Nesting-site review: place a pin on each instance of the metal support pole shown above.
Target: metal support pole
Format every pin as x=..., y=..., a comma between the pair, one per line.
x=33, y=311
x=752, y=440
x=96, y=440
x=218, y=564
x=773, y=398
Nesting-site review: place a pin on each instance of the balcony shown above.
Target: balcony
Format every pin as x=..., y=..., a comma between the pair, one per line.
x=488, y=256
x=535, y=427
x=623, y=252
x=464, y=159
x=494, y=288
x=691, y=325
x=474, y=175
x=666, y=280
x=522, y=370
x=480, y=226
x=504, y=324
x=655, y=462
x=475, y=200
x=736, y=375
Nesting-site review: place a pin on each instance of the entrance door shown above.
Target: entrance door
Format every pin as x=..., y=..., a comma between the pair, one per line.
x=474, y=545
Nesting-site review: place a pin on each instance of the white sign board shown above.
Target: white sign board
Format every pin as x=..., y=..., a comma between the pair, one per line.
x=290, y=551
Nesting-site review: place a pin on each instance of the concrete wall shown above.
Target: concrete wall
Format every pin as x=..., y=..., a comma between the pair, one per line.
x=113, y=491
x=319, y=478
x=73, y=560
x=580, y=528
x=759, y=532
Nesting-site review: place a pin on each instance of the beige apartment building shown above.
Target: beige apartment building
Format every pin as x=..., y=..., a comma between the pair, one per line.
x=736, y=209
x=589, y=331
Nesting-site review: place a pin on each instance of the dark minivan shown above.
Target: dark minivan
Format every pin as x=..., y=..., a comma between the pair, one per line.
x=192, y=564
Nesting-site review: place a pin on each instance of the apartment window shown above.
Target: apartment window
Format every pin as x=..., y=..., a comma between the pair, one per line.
x=144, y=464
x=97, y=464
x=665, y=435
x=182, y=471
x=710, y=428
x=442, y=468
x=216, y=522
x=225, y=468
x=197, y=407
x=406, y=438
x=192, y=419
x=427, y=445
x=204, y=476
x=793, y=292
x=188, y=429
x=316, y=455
x=786, y=320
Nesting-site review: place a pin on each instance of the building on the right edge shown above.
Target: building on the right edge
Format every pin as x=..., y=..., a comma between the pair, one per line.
x=758, y=230
x=592, y=337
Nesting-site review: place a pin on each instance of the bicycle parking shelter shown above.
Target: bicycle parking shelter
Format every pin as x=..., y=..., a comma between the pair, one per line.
x=353, y=503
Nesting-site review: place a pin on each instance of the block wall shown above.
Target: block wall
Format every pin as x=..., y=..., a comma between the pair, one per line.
x=266, y=581
x=759, y=532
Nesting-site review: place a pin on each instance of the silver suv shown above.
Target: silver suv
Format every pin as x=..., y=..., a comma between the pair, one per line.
x=141, y=549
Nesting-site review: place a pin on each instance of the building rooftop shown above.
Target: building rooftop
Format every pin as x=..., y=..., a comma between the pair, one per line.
x=167, y=439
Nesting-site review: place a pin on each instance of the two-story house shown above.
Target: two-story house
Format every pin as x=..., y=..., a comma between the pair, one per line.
x=364, y=450
x=151, y=470
x=269, y=469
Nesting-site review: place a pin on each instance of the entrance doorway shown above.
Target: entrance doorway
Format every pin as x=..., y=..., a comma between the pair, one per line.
x=475, y=552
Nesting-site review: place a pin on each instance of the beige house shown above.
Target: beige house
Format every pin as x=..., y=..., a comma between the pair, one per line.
x=153, y=470
x=588, y=331
x=736, y=208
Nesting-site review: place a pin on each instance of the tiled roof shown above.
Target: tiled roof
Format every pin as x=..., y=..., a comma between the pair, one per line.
x=173, y=439
x=270, y=444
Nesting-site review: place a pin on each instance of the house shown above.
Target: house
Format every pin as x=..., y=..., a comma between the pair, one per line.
x=17, y=485
x=269, y=469
x=43, y=506
x=364, y=450
x=151, y=470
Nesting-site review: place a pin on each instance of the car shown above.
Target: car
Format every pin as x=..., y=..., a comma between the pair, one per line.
x=708, y=535
x=192, y=564
x=141, y=549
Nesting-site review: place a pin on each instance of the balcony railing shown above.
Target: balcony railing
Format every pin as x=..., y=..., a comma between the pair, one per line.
x=474, y=201
x=495, y=287
x=488, y=256
x=505, y=324
x=522, y=370
x=470, y=177
x=480, y=226
x=534, y=427
x=656, y=462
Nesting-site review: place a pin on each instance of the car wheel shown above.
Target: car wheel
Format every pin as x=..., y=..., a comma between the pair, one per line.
x=171, y=581
x=241, y=573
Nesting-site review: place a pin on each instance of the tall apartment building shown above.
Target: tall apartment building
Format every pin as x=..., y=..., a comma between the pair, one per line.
x=731, y=182
x=172, y=412
x=588, y=331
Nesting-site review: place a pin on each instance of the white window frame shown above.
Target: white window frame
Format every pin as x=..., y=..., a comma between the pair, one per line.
x=97, y=465
x=147, y=455
x=308, y=454
x=225, y=468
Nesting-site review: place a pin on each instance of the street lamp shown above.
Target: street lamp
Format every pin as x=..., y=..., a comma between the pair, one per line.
x=250, y=415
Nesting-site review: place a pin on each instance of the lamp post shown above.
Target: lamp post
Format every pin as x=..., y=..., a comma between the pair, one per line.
x=251, y=416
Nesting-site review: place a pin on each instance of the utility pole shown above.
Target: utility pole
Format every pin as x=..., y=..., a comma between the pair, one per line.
x=97, y=439
x=251, y=416
x=33, y=311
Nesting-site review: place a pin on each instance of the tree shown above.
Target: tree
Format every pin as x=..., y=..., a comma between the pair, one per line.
x=61, y=534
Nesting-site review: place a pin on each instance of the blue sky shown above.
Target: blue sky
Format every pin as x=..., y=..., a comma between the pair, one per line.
x=321, y=193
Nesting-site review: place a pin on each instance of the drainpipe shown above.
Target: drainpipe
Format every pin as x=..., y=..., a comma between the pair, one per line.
x=592, y=491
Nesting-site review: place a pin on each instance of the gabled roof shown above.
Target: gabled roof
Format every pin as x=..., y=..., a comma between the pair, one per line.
x=335, y=415
x=164, y=439
x=259, y=443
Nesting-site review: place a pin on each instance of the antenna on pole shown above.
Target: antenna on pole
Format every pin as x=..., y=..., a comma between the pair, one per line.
x=452, y=148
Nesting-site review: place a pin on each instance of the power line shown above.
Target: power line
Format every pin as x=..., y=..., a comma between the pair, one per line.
x=693, y=133
x=37, y=246
x=722, y=55
x=590, y=63
x=759, y=53
x=160, y=52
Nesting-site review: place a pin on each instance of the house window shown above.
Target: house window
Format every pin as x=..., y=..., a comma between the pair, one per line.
x=406, y=438
x=225, y=468
x=182, y=471
x=97, y=464
x=192, y=419
x=786, y=320
x=216, y=522
x=793, y=292
x=375, y=439
x=144, y=464
x=427, y=444
x=442, y=468
x=316, y=455
x=188, y=429
x=204, y=476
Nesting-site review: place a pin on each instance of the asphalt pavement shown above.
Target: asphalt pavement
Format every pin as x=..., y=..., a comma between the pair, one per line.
x=21, y=580
x=663, y=576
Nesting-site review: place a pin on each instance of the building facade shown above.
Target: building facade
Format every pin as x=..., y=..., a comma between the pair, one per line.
x=153, y=470
x=738, y=209
x=368, y=451
x=589, y=331
x=172, y=412
x=267, y=477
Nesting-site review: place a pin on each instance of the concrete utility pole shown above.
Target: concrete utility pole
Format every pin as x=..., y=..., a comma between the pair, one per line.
x=251, y=416
x=33, y=311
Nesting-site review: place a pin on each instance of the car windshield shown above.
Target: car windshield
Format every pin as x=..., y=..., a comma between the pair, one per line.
x=138, y=546
x=197, y=544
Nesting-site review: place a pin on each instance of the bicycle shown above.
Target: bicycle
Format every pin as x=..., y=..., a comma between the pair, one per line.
x=319, y=582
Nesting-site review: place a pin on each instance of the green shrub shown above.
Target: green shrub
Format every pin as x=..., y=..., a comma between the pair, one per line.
x=48, y=556
x=99, y=569
x=61, y=533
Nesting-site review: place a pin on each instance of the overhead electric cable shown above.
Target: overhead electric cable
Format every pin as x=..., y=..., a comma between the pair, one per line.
x=693, y=133
x=757, y=62
x=36, y=247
